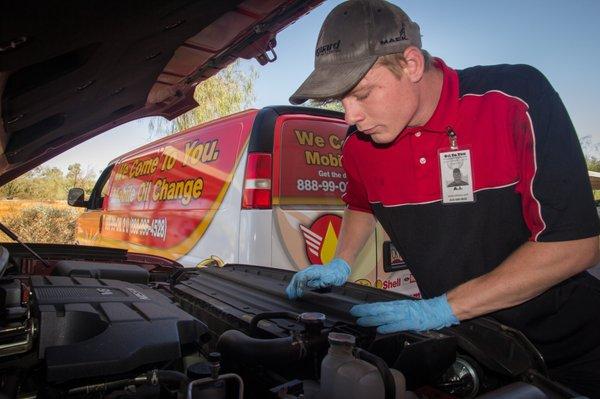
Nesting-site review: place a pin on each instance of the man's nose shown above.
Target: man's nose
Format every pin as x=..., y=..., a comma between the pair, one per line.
x=353, y=113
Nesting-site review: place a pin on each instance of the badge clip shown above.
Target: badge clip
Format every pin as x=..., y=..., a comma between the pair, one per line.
x=452, y=138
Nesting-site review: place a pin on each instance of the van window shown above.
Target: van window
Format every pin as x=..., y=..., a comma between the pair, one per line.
x=310, y=165
x=100, y=190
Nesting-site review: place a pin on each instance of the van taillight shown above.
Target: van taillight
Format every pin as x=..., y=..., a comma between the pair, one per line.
x=257, y=181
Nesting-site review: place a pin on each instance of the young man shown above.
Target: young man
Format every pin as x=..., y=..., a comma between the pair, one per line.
x=526, y=222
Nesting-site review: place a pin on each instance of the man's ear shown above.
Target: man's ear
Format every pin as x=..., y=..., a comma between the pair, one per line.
x=414, y=67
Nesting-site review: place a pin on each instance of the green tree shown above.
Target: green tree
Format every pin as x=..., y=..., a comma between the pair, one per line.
x=229, y=91
x=51, y=184
x=17, y=188
x=88, y=181
x=593, y=164
x=74, y=175
x=23, y=187
x=45, y=183
x=331, y=105
x=591, y=153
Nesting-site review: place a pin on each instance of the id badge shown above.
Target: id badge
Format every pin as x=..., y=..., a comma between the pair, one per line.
x=456, y=175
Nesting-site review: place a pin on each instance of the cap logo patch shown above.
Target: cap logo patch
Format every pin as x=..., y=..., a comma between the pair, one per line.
x=327, y=49
x=401, y=37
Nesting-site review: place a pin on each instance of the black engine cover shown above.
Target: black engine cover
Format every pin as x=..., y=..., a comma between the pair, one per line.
x=95, y=327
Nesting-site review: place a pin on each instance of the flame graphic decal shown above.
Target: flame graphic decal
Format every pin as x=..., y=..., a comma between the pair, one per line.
x=321, y=238
x=313, y=240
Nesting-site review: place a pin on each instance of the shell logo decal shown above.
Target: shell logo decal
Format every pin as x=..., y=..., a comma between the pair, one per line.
x=321, y=238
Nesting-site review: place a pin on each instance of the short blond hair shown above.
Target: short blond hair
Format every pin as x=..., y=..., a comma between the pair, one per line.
x=395, y=62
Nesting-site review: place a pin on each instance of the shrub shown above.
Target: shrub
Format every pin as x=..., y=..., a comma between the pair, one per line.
x=44, y=224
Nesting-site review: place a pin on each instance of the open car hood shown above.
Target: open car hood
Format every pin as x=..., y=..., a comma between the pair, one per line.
x=72, y=70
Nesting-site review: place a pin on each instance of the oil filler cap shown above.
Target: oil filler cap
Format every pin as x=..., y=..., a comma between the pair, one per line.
x=312, y=317
x=341, y=339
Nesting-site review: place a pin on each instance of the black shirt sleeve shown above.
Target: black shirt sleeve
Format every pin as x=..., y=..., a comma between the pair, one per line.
x=561, y=183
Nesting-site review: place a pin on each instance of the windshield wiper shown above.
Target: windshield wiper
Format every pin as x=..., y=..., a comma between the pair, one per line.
x=14, y=237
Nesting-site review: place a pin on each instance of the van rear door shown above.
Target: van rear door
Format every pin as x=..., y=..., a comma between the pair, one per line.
x=308, y=182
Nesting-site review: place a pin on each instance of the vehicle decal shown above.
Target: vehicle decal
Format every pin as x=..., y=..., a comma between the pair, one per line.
x=145, y=213
x=309, y=170
x=287, y=225
x=291, y=230
x=321, y=238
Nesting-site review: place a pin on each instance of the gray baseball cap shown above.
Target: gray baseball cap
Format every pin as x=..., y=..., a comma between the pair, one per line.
x=353, y=36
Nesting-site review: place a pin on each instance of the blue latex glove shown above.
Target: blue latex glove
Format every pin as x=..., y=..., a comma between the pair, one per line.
x=414, y=315
x=335, y=272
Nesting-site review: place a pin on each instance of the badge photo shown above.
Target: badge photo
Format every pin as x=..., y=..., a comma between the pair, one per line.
x=456, y=176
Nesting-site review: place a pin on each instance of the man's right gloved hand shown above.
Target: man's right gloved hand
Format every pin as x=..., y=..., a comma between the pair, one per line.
x=335, y=273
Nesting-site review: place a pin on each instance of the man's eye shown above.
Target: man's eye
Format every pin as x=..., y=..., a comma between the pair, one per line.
x=362, y=96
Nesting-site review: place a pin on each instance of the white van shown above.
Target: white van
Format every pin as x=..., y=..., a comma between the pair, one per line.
x=260, y=187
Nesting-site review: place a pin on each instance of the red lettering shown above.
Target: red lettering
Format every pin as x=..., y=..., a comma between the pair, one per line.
x=388, y=284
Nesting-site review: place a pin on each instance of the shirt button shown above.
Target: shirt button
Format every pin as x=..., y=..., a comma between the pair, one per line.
x=422, y=161
x=418, y=134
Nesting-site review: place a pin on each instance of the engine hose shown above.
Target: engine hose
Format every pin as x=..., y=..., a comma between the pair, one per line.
x=389, y=384
x=172, y=376
x=154, y=377
x=235, y=345
x=102, y=387
x=270, y=315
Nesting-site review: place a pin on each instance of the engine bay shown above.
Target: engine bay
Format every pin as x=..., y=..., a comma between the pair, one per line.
x=105, y=323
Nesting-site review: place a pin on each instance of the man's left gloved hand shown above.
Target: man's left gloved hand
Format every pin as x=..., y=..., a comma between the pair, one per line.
x=414, y=315
x=335, y=273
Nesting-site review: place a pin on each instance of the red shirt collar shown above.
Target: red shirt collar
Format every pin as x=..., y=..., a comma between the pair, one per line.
x=446, y=111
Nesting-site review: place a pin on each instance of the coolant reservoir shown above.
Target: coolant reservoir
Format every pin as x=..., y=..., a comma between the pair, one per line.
x=345, y=377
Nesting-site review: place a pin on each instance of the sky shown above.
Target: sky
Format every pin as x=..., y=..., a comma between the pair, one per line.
x=560, y=38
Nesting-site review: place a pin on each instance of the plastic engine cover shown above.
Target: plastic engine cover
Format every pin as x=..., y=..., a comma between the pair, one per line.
x=117, y=271
x=91, y=327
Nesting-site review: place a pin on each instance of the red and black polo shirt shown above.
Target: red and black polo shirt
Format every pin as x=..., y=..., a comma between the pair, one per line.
x=530, y=182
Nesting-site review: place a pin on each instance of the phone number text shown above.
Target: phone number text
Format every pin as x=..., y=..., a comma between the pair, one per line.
x=324, y=185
